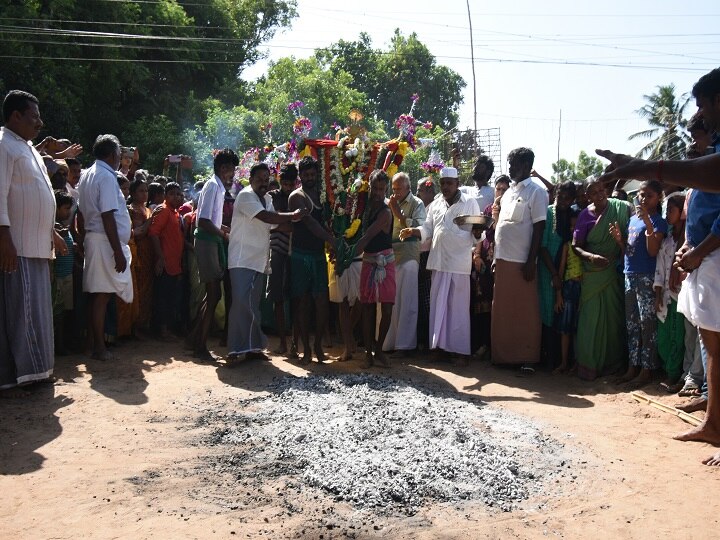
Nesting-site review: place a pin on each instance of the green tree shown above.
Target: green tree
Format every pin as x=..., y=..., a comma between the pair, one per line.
x=237, y=128
x=98, y=66
x=327, y=95
x=586, y=165
x=390, y=77
x=664, y=112
x=159, y=137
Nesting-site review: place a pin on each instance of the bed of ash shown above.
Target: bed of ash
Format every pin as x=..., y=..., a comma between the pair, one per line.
x=381, y=445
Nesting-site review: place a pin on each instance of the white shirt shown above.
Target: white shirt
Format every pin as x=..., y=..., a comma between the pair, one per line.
x=484, y=195
x=211, y=200
x=99, y=193
x=451, y=248
x=524, y=204
x=27, y=202
x=249, y=237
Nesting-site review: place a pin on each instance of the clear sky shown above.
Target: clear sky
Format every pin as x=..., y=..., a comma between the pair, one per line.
x=594, y=61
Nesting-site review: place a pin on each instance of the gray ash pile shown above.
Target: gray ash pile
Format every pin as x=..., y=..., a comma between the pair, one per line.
x=383, y=444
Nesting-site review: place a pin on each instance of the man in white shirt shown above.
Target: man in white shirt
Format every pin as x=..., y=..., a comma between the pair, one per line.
x=27, y=216
x=450, y=260
x=249, y=261
x=481, y=192
x=106, y=270
x=516, y=329
x=210, y=248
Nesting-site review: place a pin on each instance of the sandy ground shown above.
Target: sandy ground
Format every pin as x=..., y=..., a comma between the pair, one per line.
x=111, y=451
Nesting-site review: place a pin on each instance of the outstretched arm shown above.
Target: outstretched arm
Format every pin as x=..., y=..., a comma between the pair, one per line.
x=701, y=173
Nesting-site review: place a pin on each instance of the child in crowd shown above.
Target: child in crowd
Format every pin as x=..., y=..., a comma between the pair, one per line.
x=63, y=273
x=156, y=195
x=481, y=292
x=646, y=232
x=168, y=240
x=567, y=299
x=671, y=325
x=556, y=235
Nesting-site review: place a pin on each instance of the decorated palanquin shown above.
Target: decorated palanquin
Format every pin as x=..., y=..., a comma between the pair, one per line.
x=345, y=166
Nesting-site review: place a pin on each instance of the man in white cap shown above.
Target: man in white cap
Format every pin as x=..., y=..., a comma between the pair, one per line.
x=450, y=260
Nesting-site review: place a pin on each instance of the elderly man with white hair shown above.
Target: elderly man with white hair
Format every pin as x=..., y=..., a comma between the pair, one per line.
x=408, y=211
x=450, y=260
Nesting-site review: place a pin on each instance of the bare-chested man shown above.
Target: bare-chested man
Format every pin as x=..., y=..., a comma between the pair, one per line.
x=308, y=264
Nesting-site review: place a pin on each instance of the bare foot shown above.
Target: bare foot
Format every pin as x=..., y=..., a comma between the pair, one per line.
x=702, y=433
x=561, y=369
x=104, y=356
x=713, y=461
x=234, y=359
x=345, y=356
x=203, y=355
x=643, y=378
x=630, y=374
x=382, y=360
x=14, y=393
x=320, y=354
x=305, y=359
x=368, y=363
x=694, y=405
x=282, y=349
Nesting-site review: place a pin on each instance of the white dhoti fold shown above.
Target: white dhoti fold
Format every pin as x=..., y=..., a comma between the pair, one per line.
x=699, y=294
x=99, y=274
x=450, y=312
x=346, y=286
x=402, y=335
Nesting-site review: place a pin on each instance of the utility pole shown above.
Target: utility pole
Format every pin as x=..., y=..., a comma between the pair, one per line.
x=559, y=129
x=472, y=59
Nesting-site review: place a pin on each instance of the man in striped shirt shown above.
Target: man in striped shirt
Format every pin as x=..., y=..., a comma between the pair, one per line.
x=27, y=238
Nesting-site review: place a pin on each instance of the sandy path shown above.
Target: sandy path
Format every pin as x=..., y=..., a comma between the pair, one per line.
x=111, y=452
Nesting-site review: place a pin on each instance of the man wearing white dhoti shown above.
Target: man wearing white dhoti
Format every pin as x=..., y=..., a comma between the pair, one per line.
x=27, y=215
x=106, y=269
x=450, y=260
x=408, y=211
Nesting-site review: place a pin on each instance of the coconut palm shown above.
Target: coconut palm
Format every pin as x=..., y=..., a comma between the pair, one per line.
x=664, y=112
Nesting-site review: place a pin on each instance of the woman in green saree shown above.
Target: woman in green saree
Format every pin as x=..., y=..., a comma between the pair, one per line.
x=601, y=343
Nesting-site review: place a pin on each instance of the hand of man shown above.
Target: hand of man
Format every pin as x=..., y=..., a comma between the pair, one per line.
x=159, y=266
x=405, y=233
x=623, y=167
x=600, y=261
x=529, y=269
x=687, y=260
x=59, y=243
x=72, y=151
x=120, y=262
x=394, y=205
x=8, y=254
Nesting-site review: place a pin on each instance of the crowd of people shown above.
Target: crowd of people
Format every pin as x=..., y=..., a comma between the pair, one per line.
x=574, y=277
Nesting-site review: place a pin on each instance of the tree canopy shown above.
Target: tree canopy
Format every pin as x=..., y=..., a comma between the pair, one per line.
x=586, y=165
x=390, y=77
x=665, y=114
x=98, y=66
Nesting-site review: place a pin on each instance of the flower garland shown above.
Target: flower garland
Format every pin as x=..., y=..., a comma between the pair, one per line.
x=397, y=158
x=302, y=125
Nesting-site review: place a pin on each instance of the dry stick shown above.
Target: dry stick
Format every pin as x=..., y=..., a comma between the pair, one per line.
x=689, y=418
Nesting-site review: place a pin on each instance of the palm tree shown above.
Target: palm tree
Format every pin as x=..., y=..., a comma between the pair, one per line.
x=664, y=112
